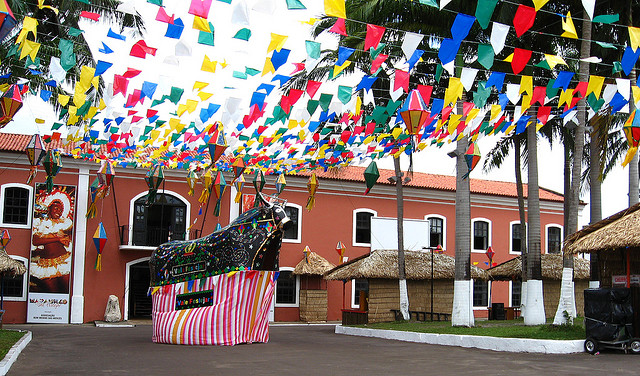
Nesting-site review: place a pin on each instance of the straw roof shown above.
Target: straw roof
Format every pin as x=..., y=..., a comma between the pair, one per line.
x=551, y=268
x=384, y=264
x=316, y=265
x=9, y=265
x=620, y=230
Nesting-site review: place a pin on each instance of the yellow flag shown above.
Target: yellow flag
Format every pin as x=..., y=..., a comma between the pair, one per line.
x=182, y=108
x=203, y=95
x=595, y=85
x=91, y=113
x=634, y=37
x=201, y=24
x=565, y=97
x=568, y=27
x=335, y=8
x=198, y=85
x=39, y=121
x=453, y=92
x=102, y=105
x=29, y=48
x=554, y=60
x=277, y=42
x=636, y=93
x=526, y=85
x=526, y=102
x=496, y=109
x=268, y=67
x=454, y=120
x=208, y=65
x=63, y=99
x=539, y=4
x=339, y=68
x=29, y=25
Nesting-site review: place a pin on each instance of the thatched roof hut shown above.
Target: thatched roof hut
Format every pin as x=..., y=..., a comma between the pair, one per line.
x=551, y=268
x=383, y=264
x=314, y=264
x=619, y=230
x=9, y=265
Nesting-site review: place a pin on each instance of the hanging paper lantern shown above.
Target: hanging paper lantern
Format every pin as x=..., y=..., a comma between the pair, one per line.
x=632, y=133
x=207, y=180
x=99, y=240
x=35, y=153
x=10, y=103
x=312, y=186
x=217, y=144
x=7, y=20
x=371, y=175
x=5, y=238
x=238, y=167
x=414, y=112
x=219, y=186
x=93, y=192
x=106, y=173
x=306, y=252
x=258, y=181
x=192, y=180
x=239, y=184
x=52, y=165
x=154, y=177
x=472, y=157
x=340, y=248
x=281, y=182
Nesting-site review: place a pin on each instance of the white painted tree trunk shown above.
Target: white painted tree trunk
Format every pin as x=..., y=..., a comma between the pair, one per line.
x=523, y=299
x=535, y=303
x=567, y=298
x=404, y=300
x=462, y=314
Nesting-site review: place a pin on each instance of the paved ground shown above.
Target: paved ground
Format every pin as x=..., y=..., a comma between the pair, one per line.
x=292, y=350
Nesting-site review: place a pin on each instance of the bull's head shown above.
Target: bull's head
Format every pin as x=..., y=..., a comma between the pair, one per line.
x=276, y=205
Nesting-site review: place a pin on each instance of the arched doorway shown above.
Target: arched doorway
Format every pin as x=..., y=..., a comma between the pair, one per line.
x=139, y=306
x=159, y=223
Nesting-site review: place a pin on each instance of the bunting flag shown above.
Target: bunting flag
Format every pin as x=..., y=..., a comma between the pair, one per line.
x=312, y=186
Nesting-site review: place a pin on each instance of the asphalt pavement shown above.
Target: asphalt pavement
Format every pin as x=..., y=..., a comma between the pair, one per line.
x=291, y=350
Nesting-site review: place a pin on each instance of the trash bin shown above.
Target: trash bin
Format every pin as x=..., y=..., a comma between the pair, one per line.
x=497, y=311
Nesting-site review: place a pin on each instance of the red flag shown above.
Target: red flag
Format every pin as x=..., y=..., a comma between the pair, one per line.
x=523, y=20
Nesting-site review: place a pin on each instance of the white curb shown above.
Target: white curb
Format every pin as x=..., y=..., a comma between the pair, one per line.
x=13, y=353
x=487, y=343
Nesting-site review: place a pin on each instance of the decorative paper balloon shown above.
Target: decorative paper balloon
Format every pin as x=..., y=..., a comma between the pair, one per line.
x=239, y=184
x=312, y=185
x=340, y=248
x=371, y=175
x=238, y=167
x=7, y=20
x=219, y=186
x=413, y=112
x=192, y=180
x=93, y=192
x=52, y=165
x=280, y=184
x=207, y=180
x=258, y=181
x=472, y=157
x=306, y=252
x=35, y=152
x=154, y=177
x=106, y=173
x=99, y=240
x=10, y=103
x=217, y=144
x=5, y=238
x=632, y=133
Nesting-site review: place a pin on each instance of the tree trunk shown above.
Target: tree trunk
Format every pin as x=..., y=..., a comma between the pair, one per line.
x=404, y=296
x=633, y=165
x=595, y=192
x=523, y=223
x=535, y=302
x=462, y=314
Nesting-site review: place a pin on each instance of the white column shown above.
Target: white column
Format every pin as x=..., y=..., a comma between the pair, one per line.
x=77, y=300
x=234, y=208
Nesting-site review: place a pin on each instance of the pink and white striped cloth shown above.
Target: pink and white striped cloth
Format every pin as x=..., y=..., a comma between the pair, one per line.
x=239, y=313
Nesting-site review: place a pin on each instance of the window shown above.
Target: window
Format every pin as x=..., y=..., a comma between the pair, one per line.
x=292, y=231
x=554, y=239
x=358, y=285
x=480, y=293
x=481, y=235
x=15, y=287
x=436, y=235
x=362, y=227
x=516, y=246
x=516, y=293
x=287, y=289
x=161, y=222
x=16, y=205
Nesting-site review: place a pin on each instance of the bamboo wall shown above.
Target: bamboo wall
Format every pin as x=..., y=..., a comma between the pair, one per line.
x=313, y=305
x=551, y=294
x=614, y=262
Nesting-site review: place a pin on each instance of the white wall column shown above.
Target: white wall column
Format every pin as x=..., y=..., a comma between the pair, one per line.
x=80, y=246
x=234, y=208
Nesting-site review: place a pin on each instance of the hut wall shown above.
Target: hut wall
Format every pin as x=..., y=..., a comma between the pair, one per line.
x=313, y=305
x=552, y=296
x=614, y=262
x=384, y=295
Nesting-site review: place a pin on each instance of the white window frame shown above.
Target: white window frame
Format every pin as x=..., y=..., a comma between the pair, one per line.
x=478, y=308
x=29, y=209
x=444, y=229
x=511, y=293
x=25, y=279
x=489, y=237
x=132, y=204
x=299, y=238
x=511, y=251
x=353, y=226
x=353, y=294
x=297, y=294
x=546, y=236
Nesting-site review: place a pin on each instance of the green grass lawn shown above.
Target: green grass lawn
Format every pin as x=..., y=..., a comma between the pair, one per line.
x=498, y=328
x=8, y=338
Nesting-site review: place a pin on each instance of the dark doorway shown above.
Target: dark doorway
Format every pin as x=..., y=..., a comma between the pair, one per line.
x=139, y=302
x=159, y=223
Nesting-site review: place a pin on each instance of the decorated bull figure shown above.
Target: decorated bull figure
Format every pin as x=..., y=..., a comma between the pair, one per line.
x=218, y=290
x=251, y=242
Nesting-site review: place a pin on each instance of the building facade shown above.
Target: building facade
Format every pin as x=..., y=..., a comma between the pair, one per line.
x=342, y=213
